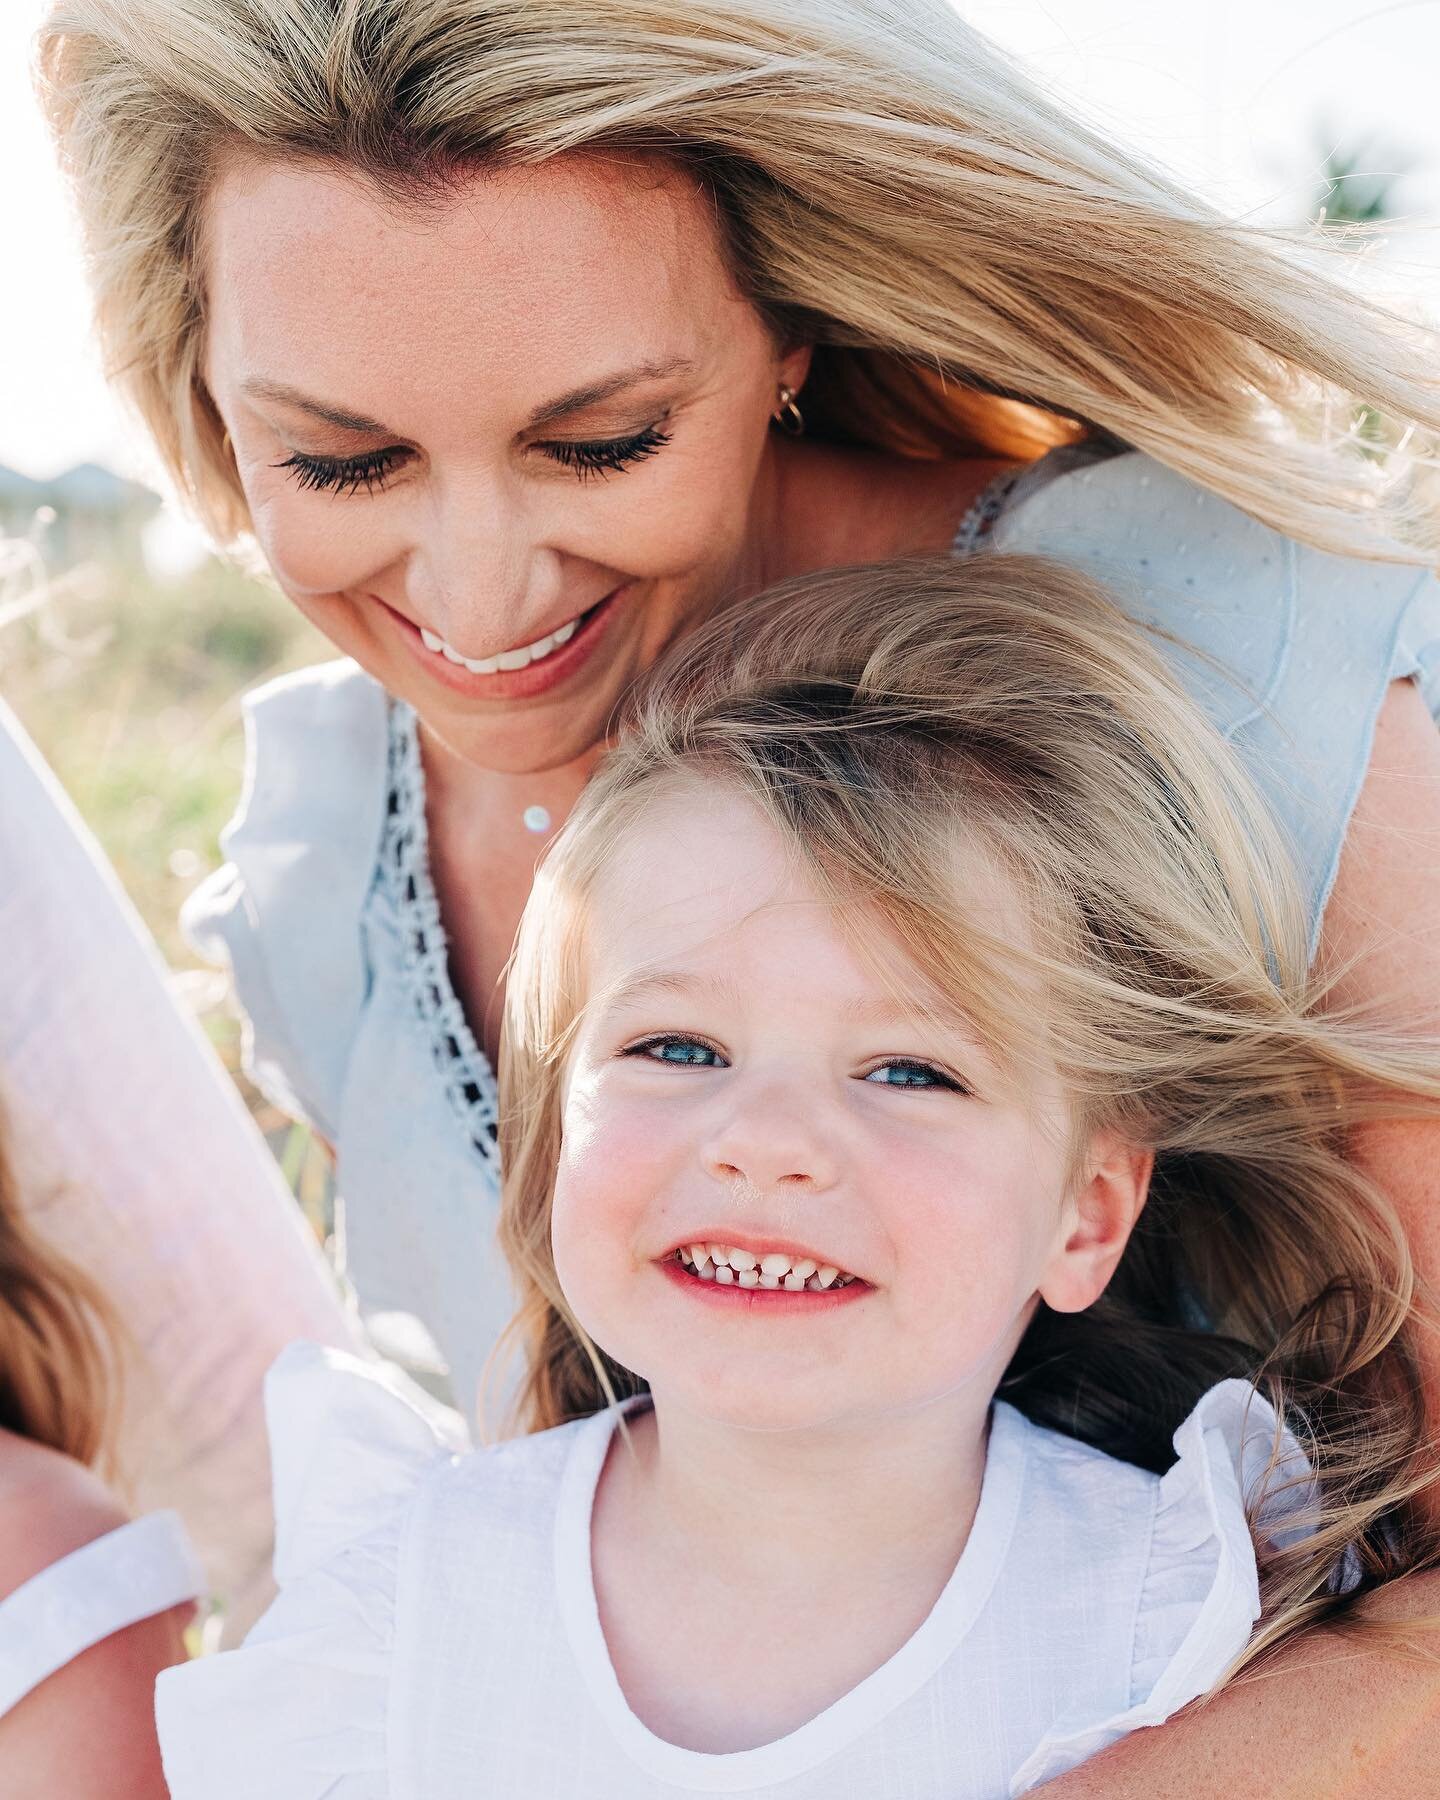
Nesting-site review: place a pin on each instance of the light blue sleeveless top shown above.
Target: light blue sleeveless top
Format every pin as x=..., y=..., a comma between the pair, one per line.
x=328, y=919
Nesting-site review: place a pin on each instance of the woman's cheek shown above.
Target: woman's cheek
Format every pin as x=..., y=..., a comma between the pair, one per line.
x=320, y=544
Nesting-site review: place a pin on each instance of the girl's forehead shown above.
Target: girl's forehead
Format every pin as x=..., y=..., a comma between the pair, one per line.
x=703, y=884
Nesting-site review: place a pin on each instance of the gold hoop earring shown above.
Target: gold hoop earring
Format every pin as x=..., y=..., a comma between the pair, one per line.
x=787, y=415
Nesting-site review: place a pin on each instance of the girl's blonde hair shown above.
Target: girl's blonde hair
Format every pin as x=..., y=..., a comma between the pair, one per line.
x=979, y=270
x=59, y=1376
x=906, y=728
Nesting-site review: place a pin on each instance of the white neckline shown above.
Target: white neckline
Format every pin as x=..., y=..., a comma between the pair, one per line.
x=830, y=1731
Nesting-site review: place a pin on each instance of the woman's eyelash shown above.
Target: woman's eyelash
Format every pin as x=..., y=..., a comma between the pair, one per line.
x=356, y=474
x=605, y=456
x=342, y=474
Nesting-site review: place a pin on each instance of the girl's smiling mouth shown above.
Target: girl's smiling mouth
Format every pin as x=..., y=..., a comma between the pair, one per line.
x=729, y=1273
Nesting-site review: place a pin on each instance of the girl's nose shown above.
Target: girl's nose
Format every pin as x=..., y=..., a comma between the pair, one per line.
x=771, y=1143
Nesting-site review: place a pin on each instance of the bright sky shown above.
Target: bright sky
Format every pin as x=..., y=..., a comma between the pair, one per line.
x=1233, y=94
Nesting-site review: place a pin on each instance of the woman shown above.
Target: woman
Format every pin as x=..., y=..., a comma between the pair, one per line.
x=475, y=314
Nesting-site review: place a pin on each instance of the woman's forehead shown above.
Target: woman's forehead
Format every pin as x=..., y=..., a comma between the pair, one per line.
x=538, y=268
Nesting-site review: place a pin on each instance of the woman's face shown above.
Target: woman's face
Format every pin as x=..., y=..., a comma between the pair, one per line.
x=525, y=419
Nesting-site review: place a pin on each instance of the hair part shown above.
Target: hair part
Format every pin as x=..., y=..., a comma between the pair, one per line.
x=979, y=270
x=885, y=720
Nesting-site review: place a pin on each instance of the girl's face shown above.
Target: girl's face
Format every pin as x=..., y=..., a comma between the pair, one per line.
x=526, y=419
x=747, y=1077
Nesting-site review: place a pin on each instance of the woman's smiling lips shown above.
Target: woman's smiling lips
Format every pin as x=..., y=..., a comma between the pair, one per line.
x=511, y=684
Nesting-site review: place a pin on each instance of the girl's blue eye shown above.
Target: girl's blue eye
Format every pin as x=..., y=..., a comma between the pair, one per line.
x=681, y=1052
x=902, y=1073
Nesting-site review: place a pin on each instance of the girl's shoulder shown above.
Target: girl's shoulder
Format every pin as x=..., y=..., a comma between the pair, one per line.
x=285, y=911
x=1171, y=1559
x=1289, y=649
x=374, y=1490
x=75, y=1569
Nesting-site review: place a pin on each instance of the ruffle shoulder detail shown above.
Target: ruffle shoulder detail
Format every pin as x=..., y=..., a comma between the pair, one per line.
x=1200, y=1597
x=299, y=1712
x=285, y=911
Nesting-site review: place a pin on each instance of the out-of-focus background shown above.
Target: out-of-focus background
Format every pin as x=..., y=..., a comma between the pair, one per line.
x=124, y=645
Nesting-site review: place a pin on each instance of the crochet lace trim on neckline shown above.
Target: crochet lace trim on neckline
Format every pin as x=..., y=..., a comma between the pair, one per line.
x=983, y=513
x=461, y=1064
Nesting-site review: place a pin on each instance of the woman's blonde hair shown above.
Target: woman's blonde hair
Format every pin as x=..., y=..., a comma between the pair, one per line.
x=59, y=1376
x=978, y=269
x=905, y=728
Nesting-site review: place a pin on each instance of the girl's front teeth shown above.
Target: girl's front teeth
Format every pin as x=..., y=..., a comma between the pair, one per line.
x=507, y=659
x=729, y=1266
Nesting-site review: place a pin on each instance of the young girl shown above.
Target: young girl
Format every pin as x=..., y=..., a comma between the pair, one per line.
x=919, y=934
x=92, y=1606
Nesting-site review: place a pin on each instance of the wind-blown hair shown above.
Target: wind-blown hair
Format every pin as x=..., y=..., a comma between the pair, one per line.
x=978, y=269
x=906, y=727
x=59, y=1374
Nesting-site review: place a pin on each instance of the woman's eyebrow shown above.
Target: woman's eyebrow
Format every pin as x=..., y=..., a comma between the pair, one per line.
x=285, y=395
x=593, y=392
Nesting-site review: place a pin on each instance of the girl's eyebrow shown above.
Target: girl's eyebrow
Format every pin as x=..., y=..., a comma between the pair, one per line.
x=650, y=984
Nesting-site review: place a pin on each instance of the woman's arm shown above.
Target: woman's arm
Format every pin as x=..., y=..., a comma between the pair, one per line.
x=1333, y=1717
x=138, y=1161
x=1382, y=926
x=1327, y=1720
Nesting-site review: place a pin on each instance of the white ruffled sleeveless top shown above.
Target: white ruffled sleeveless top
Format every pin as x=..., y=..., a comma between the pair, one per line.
x=437, y=1635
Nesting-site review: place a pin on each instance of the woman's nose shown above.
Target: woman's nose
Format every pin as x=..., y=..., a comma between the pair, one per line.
x=771, y=1141
x=476, y=571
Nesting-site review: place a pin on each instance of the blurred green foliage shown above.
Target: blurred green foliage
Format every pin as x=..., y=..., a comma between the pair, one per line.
x=131, y=689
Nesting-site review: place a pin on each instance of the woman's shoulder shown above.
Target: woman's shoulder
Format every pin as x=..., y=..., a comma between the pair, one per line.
x=285, y=911
x=50, y=1505
x=375, y=1491
x=80, y=1578
x=1175, y=1552
x=1289, y=649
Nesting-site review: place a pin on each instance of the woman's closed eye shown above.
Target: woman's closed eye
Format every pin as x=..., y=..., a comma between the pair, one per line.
x=605, y=456
x=344, y=474
x=368, y=473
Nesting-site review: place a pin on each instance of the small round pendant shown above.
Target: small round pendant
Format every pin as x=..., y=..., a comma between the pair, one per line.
x=536, y=819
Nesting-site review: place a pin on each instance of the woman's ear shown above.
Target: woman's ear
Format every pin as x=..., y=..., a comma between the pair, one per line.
x=794, y=369
x=1099, y=1217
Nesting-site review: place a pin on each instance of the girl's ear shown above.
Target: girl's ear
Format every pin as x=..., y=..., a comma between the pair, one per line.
x=1099, y=1217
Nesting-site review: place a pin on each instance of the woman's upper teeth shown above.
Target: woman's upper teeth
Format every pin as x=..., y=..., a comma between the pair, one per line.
x=732, y=1264
x=507, y=659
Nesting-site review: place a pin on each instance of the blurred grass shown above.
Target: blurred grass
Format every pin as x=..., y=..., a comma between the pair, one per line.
x=131, y=689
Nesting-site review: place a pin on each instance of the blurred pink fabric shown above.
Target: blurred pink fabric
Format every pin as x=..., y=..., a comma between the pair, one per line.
x=141, y=1164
